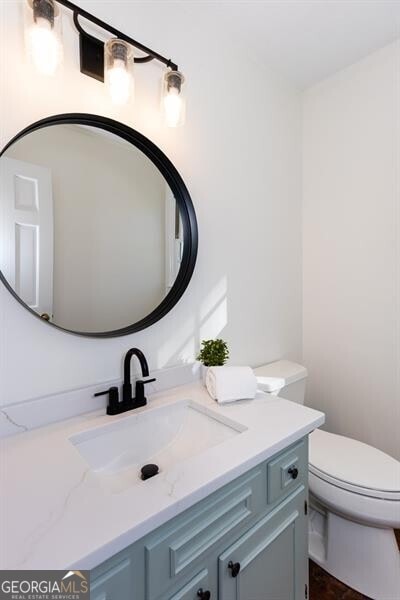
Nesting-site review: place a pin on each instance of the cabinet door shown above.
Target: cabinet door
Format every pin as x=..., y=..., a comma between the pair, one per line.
x=114, y=584
x=269, y=561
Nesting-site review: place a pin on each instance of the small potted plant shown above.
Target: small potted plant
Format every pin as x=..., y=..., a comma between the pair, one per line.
x=213, y=353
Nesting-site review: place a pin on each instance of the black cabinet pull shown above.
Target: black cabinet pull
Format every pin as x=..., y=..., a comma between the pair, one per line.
x=203, y=595
x=294, y=472
x=234, y=567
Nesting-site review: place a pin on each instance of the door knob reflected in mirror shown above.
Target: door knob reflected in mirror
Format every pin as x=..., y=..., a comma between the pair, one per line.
x=45, y=316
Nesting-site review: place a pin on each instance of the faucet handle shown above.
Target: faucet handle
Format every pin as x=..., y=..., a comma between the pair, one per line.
x=113, y=400
x=143, y=381
x=140, y=398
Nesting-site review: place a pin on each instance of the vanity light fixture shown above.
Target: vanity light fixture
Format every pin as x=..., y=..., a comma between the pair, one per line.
x=110, y=62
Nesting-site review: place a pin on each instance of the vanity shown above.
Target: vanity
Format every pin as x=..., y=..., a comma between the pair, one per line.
x=250, y=533
x=224, y=513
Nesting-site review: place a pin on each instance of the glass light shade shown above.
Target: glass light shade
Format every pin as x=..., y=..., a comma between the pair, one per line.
x=43, y=35
x=173, y=100
x=118, y=65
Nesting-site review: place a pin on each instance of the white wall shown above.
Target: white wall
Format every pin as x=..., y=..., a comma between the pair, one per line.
x=352, y=249
x=109, y=226
x=239, y=154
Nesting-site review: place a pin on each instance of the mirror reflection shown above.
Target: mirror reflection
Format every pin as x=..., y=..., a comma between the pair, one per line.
x=91, y=237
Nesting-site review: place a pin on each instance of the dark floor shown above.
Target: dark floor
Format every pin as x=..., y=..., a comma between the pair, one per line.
x=325, y=587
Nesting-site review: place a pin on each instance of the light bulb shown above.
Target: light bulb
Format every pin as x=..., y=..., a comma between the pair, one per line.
x=43, y=43
x=173, y=99
x=173, y=108
x=119, y=83
x=119, y=71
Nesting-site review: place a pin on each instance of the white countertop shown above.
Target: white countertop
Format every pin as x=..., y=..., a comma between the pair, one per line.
x=55, y=514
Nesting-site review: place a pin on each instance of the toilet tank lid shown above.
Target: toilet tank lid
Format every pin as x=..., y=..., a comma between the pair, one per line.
x=275, y=376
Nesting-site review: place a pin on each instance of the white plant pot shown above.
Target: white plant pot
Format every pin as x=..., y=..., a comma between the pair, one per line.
x=203, y=372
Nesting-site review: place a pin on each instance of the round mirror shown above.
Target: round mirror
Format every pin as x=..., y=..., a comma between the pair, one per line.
x=98, y=234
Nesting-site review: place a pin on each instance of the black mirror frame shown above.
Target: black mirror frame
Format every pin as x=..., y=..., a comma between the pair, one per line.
x=182, y=197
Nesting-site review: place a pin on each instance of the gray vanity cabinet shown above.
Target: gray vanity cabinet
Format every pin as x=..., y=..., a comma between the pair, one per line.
x=246, y=541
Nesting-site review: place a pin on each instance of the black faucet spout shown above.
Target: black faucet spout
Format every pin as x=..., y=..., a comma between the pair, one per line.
x=127, y=385
x=127, y=364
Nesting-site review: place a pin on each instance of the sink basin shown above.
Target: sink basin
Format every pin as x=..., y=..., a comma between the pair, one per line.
x=165, y=436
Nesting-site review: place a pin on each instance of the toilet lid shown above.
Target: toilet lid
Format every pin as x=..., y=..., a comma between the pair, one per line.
x=354, y=466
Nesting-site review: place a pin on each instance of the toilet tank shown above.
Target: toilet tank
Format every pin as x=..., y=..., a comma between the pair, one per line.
x=283, y=378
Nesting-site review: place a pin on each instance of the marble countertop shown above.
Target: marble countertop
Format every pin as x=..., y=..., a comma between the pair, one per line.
x=56, y=514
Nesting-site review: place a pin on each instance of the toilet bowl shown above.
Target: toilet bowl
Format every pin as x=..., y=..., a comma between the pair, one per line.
x=354, y=499
x=355, y=505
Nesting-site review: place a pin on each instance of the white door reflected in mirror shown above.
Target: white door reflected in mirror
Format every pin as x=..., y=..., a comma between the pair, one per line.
x=27, y=232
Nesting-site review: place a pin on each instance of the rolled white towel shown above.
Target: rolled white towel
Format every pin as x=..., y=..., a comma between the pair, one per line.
x=227, y=384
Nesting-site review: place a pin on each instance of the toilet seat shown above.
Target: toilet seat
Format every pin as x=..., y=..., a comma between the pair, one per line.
x=369, y=493
x=354, y=466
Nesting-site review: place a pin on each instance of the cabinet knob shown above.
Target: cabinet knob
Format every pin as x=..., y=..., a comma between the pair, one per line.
x=203, y=595
x=234, y=567
x=294, y=472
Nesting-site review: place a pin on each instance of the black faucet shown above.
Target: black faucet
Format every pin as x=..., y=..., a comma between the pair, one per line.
x=115, y=407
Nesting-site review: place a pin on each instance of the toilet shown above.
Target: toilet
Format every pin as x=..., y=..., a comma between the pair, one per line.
x=354, y=499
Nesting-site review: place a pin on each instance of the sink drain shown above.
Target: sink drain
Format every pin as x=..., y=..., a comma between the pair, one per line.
x=149, y=471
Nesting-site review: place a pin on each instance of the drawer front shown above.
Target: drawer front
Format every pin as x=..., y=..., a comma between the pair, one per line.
x=195, y=589
x=287, y=471
x=113, y=584
x=172, y=552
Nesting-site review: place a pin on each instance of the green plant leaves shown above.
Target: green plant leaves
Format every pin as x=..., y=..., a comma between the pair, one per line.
x=213, y=353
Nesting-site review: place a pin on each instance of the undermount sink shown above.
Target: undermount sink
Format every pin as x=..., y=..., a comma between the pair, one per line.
x=165, y=436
